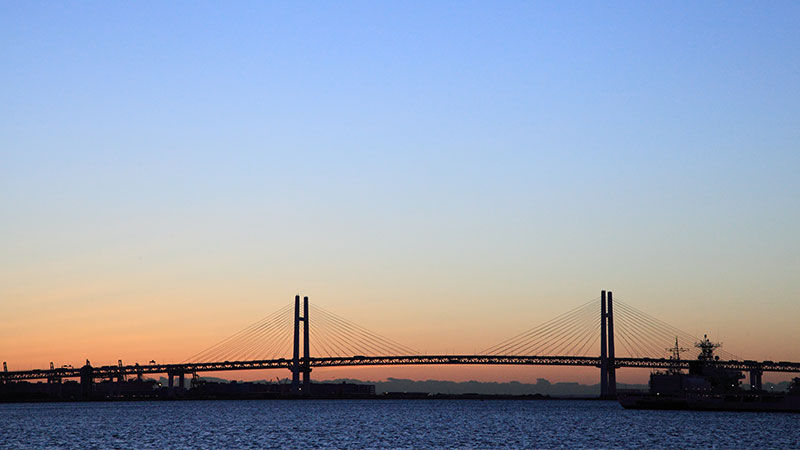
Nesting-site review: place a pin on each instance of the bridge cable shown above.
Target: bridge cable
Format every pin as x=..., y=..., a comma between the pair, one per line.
x=645, y=338
x=340, y=331
x=256, y=339
x=242, y=334
x=373, y=341
x=551, y=335
x=384, y=341
x=501, y=346
x=669, y=330
x=523, y=339
x=550, y=342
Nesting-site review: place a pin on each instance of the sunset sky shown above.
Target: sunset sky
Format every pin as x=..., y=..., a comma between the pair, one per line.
x=447, y=174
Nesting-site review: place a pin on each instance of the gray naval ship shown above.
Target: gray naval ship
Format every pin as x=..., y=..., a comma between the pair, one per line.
x=708, y=387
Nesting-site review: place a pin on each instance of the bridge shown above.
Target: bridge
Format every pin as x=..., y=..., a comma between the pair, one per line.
x=567, y=340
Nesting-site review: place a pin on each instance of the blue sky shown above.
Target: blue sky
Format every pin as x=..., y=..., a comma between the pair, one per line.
x=418, y=154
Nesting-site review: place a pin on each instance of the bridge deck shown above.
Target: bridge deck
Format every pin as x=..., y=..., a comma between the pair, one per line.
x=283, y=363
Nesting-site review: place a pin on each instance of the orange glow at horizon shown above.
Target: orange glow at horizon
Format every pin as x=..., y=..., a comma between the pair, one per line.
x=126, y=330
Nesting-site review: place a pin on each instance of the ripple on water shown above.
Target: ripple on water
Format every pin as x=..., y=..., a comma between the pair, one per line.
x=381, y=424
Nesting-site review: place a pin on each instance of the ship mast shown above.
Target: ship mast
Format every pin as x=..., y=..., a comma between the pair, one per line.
x=676, y=356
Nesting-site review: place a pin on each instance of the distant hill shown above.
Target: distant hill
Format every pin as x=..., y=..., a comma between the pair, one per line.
x=542, y=386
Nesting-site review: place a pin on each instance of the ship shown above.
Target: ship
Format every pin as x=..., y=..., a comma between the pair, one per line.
x=708, y=387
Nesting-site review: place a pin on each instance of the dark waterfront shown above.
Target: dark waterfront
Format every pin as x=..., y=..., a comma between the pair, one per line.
x=382, y=424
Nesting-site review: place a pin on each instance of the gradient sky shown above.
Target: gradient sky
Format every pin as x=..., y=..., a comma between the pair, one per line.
x=445, y=173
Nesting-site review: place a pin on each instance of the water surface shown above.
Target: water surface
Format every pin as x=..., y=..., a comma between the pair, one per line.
x=383, y=424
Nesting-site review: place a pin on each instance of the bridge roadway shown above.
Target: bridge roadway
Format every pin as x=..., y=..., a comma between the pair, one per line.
x=283, y=363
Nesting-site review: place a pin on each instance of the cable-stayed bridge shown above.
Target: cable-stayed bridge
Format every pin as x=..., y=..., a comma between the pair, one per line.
x=607, y=334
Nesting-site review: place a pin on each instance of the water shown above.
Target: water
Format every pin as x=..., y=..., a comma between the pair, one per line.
x=392, y=424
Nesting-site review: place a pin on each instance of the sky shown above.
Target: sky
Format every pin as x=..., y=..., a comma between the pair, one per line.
x=447, y=174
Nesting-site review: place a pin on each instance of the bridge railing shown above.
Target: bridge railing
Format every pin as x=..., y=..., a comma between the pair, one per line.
x=111, y=371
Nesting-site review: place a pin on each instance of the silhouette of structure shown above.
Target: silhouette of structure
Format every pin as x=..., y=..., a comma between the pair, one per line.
x=608, y=373
x=297, y=366
x=563, y=341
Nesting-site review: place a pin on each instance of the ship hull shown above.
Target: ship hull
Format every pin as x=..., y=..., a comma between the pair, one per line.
x=735, y=402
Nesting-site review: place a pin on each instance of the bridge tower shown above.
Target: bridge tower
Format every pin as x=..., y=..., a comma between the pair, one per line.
x=611, y=365
x=297, y=365
x=603, y=347
x=608, y=373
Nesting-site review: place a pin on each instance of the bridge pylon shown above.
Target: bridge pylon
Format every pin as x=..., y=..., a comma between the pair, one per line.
x=612, y=364
x=299, y=366
x=608, y=372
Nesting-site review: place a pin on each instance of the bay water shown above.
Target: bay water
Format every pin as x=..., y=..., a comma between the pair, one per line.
x=383, y=424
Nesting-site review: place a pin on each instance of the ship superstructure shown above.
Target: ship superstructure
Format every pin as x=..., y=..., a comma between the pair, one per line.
x=707, y=386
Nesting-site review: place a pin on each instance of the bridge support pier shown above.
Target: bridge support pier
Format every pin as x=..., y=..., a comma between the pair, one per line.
x=755, y=379
x=171, y=384
x=87, y=378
